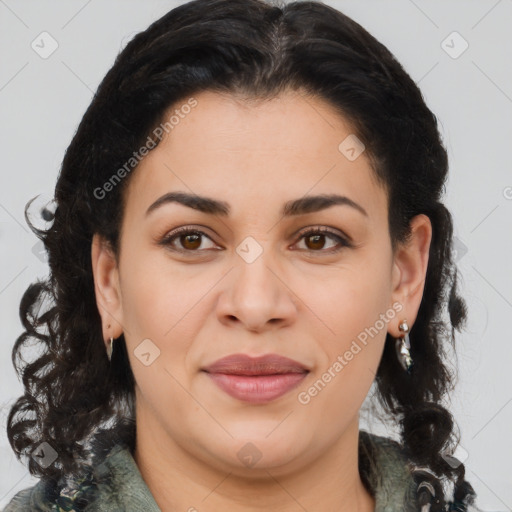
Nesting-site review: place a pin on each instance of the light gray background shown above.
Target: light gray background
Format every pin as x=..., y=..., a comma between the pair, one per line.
x=43, y=100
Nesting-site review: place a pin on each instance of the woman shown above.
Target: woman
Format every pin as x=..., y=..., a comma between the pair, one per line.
x=248, y=226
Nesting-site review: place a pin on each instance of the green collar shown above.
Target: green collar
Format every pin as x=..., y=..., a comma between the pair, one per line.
x=388, y=478
x=117, y=484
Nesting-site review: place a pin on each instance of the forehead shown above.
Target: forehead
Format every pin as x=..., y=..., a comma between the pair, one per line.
x=232, y=149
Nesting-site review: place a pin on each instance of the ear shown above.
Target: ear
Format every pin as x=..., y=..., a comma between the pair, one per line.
x=106, y=286
x=409, y=271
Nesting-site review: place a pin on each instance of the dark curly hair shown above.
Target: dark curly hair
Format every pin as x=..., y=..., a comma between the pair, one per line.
x=257, y=50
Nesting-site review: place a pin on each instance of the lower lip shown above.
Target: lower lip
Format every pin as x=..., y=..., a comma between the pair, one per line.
x=257, y=389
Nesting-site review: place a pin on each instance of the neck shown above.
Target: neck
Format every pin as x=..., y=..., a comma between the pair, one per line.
x=178, y=480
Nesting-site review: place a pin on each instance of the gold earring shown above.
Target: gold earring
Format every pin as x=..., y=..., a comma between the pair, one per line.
x=402, y=346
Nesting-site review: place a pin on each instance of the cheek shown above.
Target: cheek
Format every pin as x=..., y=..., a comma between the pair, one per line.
x=153, y=290
x=165, y=302
x=347, y=299
x=160, y=306
x=355, y=311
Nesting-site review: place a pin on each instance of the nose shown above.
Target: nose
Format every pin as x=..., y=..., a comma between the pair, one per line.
x=257, y=296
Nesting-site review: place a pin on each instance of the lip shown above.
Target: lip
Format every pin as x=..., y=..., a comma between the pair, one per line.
x=243, y=364
x=256, y=379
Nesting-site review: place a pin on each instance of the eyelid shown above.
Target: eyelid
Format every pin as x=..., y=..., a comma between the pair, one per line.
x=324, y=230
x=343, y=241
x=183, y=230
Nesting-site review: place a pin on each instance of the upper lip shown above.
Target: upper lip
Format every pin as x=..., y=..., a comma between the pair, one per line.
x=243, y=364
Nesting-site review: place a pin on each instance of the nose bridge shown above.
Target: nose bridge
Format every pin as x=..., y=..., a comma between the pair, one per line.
x=255, y=279
x=256, y=292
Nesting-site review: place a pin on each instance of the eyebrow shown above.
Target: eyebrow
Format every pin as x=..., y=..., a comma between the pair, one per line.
x=304, y=205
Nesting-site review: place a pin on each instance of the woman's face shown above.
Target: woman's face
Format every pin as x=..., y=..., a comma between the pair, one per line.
x=250, y=283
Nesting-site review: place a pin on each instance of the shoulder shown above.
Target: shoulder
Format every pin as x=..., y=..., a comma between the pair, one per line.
x=113, y=483
x=383, y=455
x=33, y=498
x=395, y=479
x=386, y=471
x=20, y=501
x=49, y=495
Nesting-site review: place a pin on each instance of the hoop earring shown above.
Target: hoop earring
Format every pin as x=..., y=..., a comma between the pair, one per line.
x=402, y=346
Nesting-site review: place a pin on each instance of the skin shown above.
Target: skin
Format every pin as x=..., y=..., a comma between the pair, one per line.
x=297, y=299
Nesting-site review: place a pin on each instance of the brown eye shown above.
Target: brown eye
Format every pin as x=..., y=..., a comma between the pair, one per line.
x=192, y=241
x=187, y=240
x=314, y=240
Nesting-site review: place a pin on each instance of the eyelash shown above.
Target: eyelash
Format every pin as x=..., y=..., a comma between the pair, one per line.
x=168, y=239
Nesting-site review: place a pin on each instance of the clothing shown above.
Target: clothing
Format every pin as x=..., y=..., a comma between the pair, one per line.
x=118, y=486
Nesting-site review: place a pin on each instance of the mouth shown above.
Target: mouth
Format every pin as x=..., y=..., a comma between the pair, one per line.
x=256, y=380
x=257, y=389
